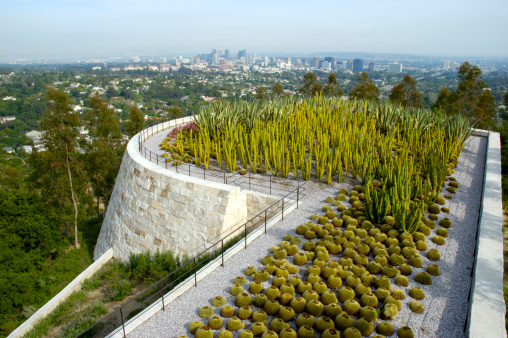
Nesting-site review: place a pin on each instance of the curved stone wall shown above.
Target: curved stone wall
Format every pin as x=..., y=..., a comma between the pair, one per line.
x=154, y=208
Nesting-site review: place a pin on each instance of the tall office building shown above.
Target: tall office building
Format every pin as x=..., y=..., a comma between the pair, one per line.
x=395, y=67
x=316, y=62
x=215, y=58
x=326, y=65
x=330, y=59
x=349, y=64
x=357, y=65
x=226, y=53
x=371, y=67
x=242, y=53
x=219, y=52
x=446, y=65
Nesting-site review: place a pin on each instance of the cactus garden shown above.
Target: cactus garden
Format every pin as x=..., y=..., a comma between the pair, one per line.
x=342, y=273
x=372, y=251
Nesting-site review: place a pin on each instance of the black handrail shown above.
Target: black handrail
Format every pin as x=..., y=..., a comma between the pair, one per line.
x=115, y=319
x=226, y=178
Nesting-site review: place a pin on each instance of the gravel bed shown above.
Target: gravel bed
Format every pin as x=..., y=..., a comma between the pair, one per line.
x=446, y=300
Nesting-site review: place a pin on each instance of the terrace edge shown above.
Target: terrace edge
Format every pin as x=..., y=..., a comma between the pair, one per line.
x=487, y=307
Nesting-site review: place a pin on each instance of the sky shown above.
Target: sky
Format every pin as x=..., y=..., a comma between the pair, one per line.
x=74, y=28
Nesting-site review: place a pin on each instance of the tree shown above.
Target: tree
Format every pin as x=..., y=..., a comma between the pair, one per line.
x=58, y=170
x=472, y=98
x=103, y=154
x=136, y=121
x=277, y=90
x=330, y=89
x=406, y=94
x=504, y=113
x=365, y=89
x=310, y=86
x=261, y=93
x=174, y=112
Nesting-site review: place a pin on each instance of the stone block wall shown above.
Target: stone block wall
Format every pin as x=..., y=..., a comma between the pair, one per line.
x=152, y=208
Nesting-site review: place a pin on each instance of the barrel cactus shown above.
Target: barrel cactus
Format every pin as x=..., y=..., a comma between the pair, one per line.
x=423, y=278
x=215, y=322
x=194, y=326
x=206, y=312
x=305, y=332
x=204, y=332
x=218, y=301
x=416, y=307
x=324, y=323
x=234, y=324
x=405, y=332
x=227, y=312
x=385, y=328
x=243, y=299
x=244, y=312
x=344, y=321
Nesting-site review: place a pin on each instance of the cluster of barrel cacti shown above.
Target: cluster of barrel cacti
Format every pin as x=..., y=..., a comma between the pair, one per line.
x=339, y=275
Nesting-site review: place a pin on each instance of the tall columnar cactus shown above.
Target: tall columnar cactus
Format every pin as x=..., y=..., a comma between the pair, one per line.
x=377, y=204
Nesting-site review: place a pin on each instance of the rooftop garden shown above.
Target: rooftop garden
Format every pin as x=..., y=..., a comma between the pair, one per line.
x=344, y=272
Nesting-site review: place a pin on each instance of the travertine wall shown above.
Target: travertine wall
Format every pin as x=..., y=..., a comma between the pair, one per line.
x=154, y=208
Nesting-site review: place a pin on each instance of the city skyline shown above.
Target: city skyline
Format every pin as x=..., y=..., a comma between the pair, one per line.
x=101, y=28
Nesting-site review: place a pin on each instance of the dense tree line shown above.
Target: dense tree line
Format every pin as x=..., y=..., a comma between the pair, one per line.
x=45, y=199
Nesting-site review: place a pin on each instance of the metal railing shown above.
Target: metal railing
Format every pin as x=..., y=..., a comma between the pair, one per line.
x=257, y=182
x=148, y=298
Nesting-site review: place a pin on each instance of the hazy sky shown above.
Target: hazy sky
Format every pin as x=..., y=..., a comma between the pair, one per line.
x=167, y=27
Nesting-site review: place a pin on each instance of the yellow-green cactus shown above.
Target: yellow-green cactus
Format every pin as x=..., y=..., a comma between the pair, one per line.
x=194, y=326
x=417, y=293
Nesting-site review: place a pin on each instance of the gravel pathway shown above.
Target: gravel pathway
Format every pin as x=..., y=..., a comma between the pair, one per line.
x=446, y=301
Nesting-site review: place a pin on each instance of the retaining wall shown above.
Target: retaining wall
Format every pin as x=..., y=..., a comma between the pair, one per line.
x=73, y=286
x=152, y=208
x=487, y=307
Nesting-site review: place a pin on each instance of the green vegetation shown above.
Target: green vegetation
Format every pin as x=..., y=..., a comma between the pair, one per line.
x=107, y=289
x=36, y=260
x=332, y=294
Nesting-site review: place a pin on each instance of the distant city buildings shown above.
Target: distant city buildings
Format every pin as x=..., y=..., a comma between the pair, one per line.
x=316, y=62
x=451, y=65
x=371, y=67
x=357, y=65
x=395, y=67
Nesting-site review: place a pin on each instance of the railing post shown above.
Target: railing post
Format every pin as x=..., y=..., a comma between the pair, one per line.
x=249, y=181
x=157, y=159
x=282, y=208
x=245, y=230
x=224, y=177
x=123, y=324
x=265, y=221
x=222, y=251
x=189, y=168
x=297, y=194
x=150, y=156
x=270, y=185
x=176, y=165
x=195, y=277
x=204, y=174
x=166, y=163
x=163, y=308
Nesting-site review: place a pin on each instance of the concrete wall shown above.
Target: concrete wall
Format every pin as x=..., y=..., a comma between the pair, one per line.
x=73, y=286
x=487, y=307
x=154, y=208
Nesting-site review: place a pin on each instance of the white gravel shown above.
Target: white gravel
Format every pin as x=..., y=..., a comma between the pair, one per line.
x=446, y=301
